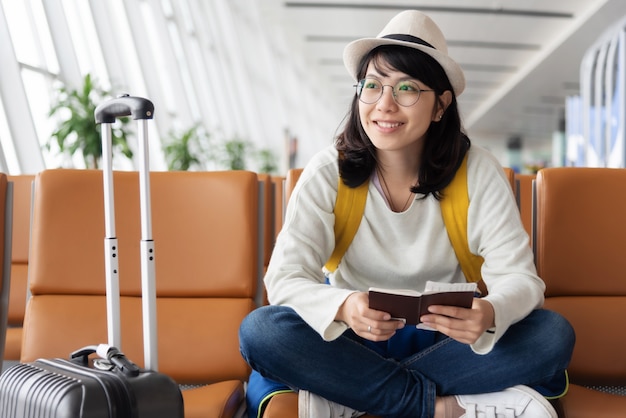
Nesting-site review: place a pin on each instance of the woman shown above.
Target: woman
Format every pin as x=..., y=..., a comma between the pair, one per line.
x=403, y=135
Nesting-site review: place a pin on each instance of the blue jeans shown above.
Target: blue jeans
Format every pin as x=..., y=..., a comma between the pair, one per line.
x=365, y=376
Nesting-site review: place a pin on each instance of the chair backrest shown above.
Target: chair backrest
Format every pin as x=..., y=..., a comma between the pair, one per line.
x=278, y=185
x=22, y=191
x=6, y=208
x=267, y=189
x=290, y=182
x=524, y=196
x=510, y=175
x=580, y=242
x=205, y=228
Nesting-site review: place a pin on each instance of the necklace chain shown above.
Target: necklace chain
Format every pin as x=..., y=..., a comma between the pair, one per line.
x=388, y=194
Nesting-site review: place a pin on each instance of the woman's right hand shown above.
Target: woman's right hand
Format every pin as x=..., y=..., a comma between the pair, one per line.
x=365, y=322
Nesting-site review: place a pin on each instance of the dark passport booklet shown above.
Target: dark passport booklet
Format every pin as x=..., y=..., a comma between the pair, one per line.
x=411, y=305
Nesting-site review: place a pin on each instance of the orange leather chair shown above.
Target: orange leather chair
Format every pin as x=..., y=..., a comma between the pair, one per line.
x=524, y=183
x=278, y=185
x=205, y=228
x=510, y=175
x=22, y=190
x=580, y=237
x=290, y=182
x=266, y=193
x=6, y=196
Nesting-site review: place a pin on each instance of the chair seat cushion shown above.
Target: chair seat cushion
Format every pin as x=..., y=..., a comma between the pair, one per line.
x=13, y=345
x=217, y=400
x=581, y=402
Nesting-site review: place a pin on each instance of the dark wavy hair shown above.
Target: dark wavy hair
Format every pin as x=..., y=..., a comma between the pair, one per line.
x=445, y=143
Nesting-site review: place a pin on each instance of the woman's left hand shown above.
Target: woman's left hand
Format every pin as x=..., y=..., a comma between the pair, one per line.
x=462, y=324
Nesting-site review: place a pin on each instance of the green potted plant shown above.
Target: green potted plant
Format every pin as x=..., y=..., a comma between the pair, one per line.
x=77, y=129
x=236, y=153
x=232, y=154
x=267, y=161
x=187, y=150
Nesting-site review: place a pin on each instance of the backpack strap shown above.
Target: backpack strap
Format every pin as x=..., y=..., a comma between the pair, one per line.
x=350, y=205
x=454, y=211
x=349, y=208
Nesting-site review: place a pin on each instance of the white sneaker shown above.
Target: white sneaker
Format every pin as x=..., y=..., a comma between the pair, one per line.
x=311, y=405
x=518, y=401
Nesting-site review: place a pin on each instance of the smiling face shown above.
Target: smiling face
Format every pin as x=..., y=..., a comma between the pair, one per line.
x=390, y=126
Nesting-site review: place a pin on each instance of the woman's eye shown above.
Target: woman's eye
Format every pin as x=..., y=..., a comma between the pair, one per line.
x=407, y=87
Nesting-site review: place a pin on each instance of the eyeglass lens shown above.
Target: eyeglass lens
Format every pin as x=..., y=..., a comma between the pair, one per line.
x=405, y=93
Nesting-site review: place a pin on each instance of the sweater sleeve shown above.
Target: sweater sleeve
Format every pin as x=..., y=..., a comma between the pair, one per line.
x=294, y=277
x=496, y=233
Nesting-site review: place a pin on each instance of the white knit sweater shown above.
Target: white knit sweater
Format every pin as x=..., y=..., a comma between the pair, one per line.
x=401, y=250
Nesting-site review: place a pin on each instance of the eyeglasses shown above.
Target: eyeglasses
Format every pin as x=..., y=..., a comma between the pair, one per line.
x=405, y=93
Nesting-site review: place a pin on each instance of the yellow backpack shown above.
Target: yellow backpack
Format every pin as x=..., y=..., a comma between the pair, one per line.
x=350, y=205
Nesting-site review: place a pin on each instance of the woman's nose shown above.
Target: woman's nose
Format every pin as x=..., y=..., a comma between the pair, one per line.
x=387, y=98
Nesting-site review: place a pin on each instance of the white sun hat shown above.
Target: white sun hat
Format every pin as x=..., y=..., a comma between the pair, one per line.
x=413, y=29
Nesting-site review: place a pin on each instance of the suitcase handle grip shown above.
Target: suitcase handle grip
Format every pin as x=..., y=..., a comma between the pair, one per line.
x=124, y=105
x=81, y=355
x=105, y=351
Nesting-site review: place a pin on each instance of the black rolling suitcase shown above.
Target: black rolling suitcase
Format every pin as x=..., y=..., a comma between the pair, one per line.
x=110, y=385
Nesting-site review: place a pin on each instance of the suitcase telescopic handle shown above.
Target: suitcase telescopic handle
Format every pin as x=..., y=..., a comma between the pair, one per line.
x=105, y=114
x=124, y=105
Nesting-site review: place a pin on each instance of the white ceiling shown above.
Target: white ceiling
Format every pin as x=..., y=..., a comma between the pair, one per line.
x=521, y=58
